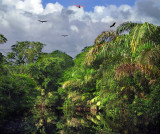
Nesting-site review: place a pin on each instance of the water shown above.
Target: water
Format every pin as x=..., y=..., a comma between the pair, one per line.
x=53, y=121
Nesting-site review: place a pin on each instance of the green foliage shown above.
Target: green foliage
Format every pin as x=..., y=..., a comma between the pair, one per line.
x=66, y=58
x=25, y=52
x=46, y=72
x=126, y=26
x=2, y=39
x=52, y=99
x=125, y=70
x=104, y=39
x=1, y=61
x=17, y=93
x=81, y=57
x=154, y=107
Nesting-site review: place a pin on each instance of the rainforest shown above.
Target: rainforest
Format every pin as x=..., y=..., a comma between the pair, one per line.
x=112, y=87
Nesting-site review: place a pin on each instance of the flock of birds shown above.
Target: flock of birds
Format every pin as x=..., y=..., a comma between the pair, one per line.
x=79, y=6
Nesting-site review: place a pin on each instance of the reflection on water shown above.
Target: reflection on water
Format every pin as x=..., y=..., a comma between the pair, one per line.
x=51, y=121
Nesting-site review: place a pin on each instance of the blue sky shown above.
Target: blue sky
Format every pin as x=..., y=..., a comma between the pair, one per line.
x=89, y=4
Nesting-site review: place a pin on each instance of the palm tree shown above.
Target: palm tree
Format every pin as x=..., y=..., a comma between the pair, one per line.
x=105, y=38
x=140, y=33
x=126, y=26
x=144, y=41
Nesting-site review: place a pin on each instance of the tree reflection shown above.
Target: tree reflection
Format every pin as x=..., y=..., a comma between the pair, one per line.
x=53, y=121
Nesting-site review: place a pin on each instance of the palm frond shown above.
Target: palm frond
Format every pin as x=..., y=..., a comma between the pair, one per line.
x=135, y=38
x=92, y=54
x=102, y=40
x=148, y=53
x=106, y=36
x=141, y=33
x=2, y=39
x=126, y=26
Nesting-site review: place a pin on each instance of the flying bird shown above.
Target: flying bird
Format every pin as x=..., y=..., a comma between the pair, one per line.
x=113, y=24
x=64, y=35
x=42, y=21
x=78, y=6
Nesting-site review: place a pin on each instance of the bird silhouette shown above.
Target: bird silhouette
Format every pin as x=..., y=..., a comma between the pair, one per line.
x=42, y=21
x=78, y=6
x=113, y=24
x=64, y=35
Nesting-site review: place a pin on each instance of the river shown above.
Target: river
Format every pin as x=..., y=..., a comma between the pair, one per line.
x=53, y=121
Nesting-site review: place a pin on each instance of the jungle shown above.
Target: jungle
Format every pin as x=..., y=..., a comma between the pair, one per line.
x=110, y=87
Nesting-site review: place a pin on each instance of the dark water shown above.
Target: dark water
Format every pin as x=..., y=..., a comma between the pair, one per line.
x=52, y=121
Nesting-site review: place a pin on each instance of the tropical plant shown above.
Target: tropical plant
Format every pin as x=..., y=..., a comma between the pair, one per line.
x=102, y=40
x=140, y=33
x=126, y=26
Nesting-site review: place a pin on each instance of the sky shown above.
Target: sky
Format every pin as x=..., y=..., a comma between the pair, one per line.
x=89, y=4
x=19, y=21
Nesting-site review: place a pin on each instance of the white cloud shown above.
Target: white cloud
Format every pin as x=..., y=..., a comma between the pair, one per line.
x=51, y=8
x=10, y=2
x=78, y=13
x=125, y=8
x=74, y=28
x=107, y=19
x=99, y=9
x=33, y=6
x=20, y=5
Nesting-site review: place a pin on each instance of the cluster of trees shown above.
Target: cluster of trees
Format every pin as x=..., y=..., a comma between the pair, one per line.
x=120, y=74
x=30, y=78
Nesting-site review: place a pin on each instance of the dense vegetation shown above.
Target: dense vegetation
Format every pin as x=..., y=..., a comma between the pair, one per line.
x=120, y=74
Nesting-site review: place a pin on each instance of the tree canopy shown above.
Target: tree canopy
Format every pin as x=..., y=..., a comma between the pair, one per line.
x=25, y=52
